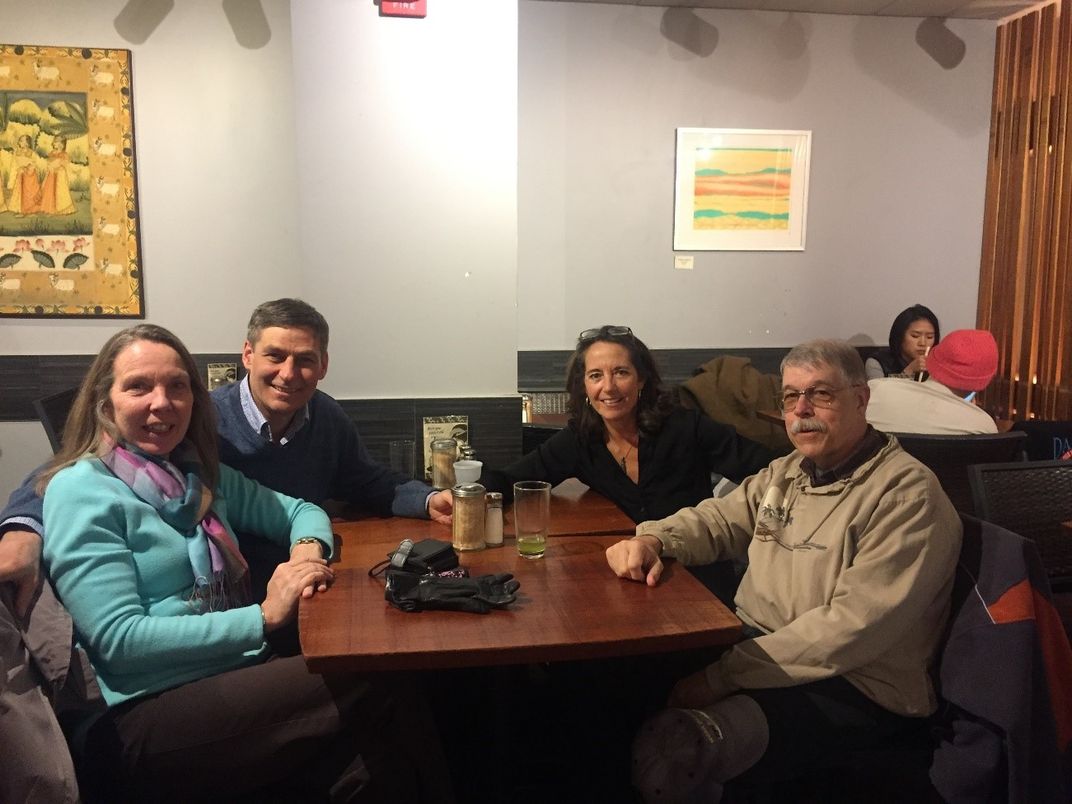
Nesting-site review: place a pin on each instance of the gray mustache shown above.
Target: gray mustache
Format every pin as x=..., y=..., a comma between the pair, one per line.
x=807, y=426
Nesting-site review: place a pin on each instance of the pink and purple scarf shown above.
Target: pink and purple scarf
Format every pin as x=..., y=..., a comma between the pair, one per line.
x=174, y=488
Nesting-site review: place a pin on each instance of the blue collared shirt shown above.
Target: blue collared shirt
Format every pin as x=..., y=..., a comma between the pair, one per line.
x=260, y=424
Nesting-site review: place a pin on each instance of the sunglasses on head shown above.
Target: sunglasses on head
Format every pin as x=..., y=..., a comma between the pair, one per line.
x=588, y=334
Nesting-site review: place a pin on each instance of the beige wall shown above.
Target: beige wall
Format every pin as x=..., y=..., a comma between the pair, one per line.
x=898, y=170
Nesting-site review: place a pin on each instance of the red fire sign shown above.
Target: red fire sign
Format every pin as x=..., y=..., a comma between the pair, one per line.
x=403, y=8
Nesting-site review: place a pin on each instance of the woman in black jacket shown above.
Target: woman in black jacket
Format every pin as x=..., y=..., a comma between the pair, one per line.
x=627, y=439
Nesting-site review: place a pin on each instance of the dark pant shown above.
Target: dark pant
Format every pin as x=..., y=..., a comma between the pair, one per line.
x=814, y=726
x=273, y=731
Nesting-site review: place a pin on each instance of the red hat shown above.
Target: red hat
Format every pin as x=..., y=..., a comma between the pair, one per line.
x=966, y=360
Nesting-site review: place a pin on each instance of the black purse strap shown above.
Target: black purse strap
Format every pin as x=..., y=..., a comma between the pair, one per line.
x=396, y=558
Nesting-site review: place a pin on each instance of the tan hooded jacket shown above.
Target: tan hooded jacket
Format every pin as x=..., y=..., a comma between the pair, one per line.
x=851, y=578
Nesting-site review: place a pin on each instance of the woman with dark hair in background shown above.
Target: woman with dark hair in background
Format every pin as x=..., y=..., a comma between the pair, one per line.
x=626, y=438
x=915, y=330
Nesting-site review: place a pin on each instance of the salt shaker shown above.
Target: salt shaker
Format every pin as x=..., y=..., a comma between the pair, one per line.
x=444, y=451
x=493, y=519
x=468, y=526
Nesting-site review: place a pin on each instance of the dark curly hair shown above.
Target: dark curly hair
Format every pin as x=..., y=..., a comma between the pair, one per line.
x=654, y=403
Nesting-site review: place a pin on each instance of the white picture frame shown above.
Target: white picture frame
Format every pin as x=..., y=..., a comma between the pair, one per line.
x=741, y=189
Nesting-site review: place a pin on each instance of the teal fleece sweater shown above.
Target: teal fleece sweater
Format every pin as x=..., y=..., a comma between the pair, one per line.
x=125, y=577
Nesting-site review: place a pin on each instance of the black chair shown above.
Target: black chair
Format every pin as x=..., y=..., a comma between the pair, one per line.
x=1032, y=498
x=1046, y=440
x=52, y=411
x=949, y=457
x=533, y=435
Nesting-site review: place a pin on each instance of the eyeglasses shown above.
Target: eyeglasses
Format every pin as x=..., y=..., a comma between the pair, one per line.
x=588, y=334
x=819, y=397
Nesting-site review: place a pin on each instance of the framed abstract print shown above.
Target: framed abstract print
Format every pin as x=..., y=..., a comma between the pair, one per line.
x=741, y=189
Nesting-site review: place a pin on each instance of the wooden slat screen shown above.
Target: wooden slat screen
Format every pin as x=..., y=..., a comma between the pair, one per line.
x=1026, y=268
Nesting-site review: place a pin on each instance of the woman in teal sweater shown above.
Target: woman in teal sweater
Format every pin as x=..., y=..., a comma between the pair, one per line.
x=141, y=550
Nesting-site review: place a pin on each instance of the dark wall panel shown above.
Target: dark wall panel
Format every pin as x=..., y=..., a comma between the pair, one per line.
x=546, y=370
x=494, y=422
x=26, y=378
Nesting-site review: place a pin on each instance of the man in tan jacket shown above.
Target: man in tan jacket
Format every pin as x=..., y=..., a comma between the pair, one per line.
x=851, y=548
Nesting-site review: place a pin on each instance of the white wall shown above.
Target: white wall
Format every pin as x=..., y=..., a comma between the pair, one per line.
x=898, y=170
x=401, y=180
x=407, y=154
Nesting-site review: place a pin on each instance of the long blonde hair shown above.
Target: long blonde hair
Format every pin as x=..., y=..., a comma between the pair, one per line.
x=90, y=420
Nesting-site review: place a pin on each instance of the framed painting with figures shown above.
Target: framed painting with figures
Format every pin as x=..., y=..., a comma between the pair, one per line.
x=69, y=240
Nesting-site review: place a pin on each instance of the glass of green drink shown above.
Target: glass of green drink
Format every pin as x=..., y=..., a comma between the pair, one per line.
x=532, y=517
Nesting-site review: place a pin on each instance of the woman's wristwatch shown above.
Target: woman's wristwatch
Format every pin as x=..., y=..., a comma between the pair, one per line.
x=310, y=540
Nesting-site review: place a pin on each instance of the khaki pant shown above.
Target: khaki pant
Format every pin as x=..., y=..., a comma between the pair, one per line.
x=35, y=765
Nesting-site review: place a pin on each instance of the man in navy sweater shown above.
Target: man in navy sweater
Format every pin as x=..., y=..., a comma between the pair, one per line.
x=278, y=429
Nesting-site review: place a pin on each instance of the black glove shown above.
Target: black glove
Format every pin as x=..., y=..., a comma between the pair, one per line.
x=411, y=592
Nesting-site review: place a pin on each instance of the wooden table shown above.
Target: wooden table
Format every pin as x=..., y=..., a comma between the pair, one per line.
x=570, y=606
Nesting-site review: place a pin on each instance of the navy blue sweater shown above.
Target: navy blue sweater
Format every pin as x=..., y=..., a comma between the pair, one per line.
x=325, y=460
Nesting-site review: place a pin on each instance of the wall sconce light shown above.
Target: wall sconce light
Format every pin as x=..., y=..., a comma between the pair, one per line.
x=940, y=43
x=139, y=18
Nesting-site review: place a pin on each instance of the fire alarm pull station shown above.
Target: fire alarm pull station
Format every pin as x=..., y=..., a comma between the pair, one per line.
x=407, y=8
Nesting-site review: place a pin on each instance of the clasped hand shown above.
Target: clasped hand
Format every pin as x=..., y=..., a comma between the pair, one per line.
x=300, y=577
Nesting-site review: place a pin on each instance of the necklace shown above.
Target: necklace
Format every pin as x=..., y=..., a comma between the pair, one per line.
x=622, y=462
